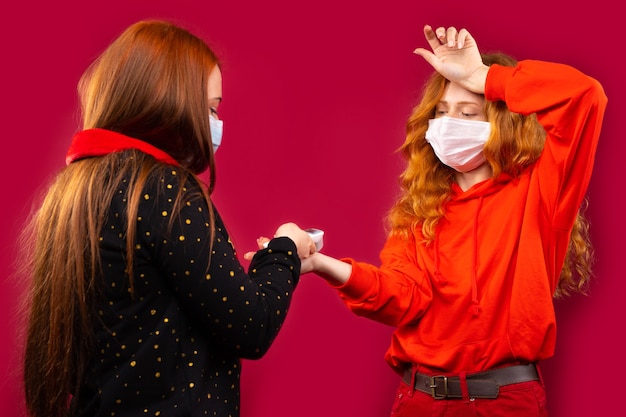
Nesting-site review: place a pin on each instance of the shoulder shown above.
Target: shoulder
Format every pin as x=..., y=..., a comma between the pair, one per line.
x=174, y=182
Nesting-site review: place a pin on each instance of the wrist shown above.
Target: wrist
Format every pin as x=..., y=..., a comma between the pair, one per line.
x=476, y=83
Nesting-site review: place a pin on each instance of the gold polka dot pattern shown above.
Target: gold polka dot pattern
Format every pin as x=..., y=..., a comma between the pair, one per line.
x=172, y=343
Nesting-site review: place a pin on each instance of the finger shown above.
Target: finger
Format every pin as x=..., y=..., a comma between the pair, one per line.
x=422, y=52
x=451, y=34
x=464, y=36
x=248, y=256
x=441, y=34
x=308, y=251
x=431, y=37
x=262, y=241
x=431, y=58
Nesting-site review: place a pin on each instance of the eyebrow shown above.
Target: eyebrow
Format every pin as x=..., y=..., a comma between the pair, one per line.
x=460, y=102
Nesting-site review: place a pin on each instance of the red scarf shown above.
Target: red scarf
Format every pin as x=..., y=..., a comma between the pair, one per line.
x=100, y=142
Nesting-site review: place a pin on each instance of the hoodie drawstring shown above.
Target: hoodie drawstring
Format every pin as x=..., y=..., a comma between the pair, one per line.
x=475, y=309
x=438, y=275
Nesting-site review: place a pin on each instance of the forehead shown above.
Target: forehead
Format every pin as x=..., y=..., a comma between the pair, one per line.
x=453, y=93
x=215, y=82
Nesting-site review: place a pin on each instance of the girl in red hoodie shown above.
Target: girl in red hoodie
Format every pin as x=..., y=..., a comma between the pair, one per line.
x=486, y=232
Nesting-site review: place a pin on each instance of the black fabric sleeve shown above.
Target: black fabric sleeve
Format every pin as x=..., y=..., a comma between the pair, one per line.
x=242, y=312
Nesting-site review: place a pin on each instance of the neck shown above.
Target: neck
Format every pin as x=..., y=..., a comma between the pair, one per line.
x=467, y=180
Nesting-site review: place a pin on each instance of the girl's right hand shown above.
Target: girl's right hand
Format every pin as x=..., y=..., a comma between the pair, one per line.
x=303, y=241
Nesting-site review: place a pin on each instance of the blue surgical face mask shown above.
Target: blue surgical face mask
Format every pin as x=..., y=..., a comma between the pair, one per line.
x=217, y=127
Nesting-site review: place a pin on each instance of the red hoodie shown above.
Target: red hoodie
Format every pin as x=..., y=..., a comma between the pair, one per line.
x=480, y=296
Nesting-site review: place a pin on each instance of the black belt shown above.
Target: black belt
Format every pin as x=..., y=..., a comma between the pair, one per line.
x=480, y=385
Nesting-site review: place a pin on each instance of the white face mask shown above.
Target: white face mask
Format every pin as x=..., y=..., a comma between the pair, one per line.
x=217, y=127
x=458, y=143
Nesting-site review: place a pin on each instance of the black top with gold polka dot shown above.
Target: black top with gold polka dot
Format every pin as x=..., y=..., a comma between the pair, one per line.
x=172, y=344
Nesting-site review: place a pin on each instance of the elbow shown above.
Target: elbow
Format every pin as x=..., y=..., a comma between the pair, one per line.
x=254, y=351
x=596, y=93
x=257, y=343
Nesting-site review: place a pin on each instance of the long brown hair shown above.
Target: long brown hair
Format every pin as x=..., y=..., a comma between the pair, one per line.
x=516, y=141
x=151, y=84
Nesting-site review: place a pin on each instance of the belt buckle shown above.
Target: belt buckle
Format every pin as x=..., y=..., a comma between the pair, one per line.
x=433, y=387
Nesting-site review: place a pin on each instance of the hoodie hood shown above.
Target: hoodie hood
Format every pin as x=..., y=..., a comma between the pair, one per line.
x=482, y=189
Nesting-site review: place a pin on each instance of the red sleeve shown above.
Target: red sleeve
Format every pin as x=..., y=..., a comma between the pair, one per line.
x=395, y=293
x=570, y=105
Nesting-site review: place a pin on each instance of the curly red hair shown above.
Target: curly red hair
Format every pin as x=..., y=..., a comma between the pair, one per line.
x=516, y=141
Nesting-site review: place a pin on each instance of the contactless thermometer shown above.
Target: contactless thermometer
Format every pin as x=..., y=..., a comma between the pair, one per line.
x=317, y=235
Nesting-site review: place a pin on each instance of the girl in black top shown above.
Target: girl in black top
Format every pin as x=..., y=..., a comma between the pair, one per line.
x=138, y=303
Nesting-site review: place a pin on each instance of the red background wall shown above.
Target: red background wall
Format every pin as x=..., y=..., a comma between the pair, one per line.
x=317, y=93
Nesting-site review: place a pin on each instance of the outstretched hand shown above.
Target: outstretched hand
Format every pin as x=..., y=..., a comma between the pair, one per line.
x=455, y=55
x=306, y=265
x=260, y=242
x=304, y=243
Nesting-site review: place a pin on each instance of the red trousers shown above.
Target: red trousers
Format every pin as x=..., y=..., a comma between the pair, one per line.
x=526, y=399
